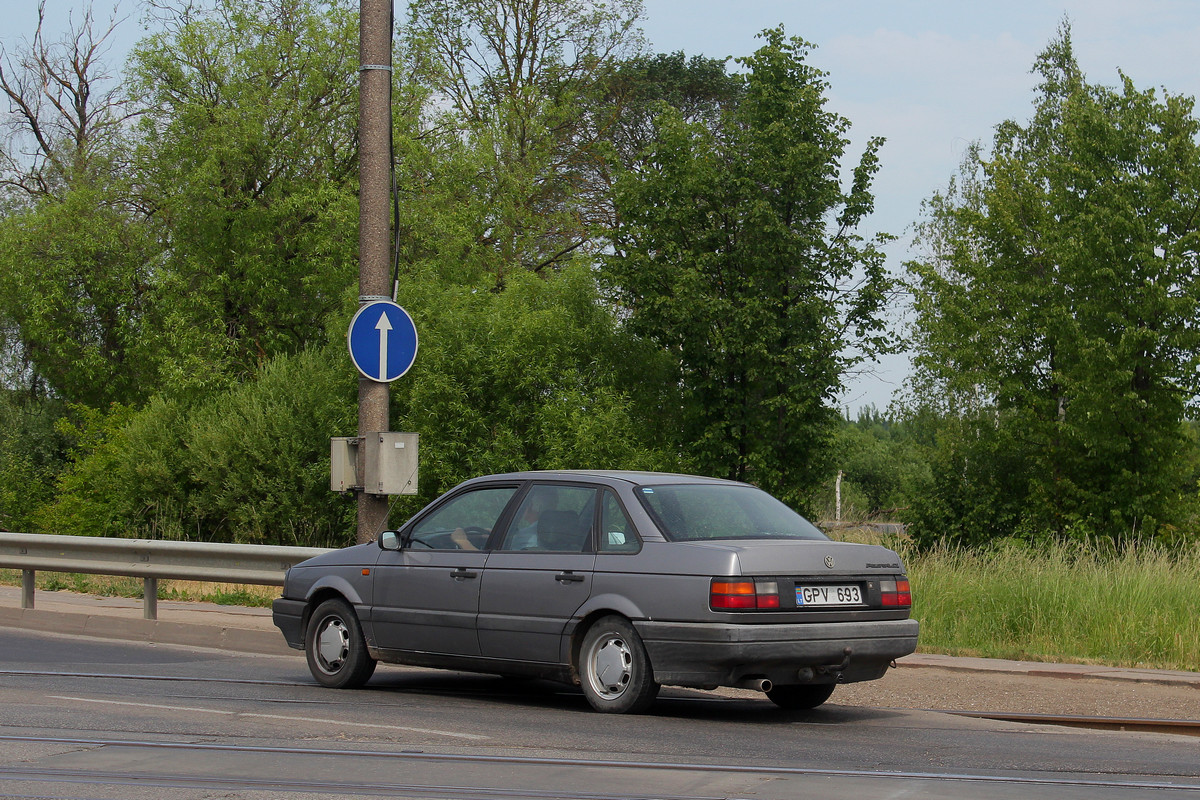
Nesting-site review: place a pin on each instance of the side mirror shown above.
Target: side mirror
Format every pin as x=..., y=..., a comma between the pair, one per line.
x=389, y=540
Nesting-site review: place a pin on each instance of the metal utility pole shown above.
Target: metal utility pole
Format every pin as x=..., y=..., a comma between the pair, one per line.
x=374, y=169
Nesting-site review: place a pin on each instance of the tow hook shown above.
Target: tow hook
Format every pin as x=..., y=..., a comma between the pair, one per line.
x=837, y=669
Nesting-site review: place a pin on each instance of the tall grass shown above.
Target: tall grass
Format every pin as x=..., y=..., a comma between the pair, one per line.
x=1060, y=603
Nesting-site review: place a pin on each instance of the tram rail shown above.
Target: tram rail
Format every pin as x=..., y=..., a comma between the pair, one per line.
x=1177, y=727
x=412, y=789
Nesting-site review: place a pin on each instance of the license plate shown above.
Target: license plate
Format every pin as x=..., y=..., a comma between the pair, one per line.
x=829, y=596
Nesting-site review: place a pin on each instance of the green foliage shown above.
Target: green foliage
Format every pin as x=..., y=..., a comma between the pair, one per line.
x=127, y=476
x=248, y=162
x=1057, y=320
x=699, y=88
x=246, y=465
x=538, y=376
x=259, y=456
x=31, y=455
x=520, y=82
x=976, y=493
x=734, y=255
x=237, y=251
x=74, y=275
x=884, y=470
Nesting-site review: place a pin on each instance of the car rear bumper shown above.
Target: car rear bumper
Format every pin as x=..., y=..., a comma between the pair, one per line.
x=288, y=616
x=719, y=654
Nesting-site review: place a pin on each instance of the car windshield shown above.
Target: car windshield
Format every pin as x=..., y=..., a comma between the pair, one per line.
x=699, y=512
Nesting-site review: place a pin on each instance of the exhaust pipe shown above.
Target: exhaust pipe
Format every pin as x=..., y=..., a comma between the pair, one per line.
x=757, y=684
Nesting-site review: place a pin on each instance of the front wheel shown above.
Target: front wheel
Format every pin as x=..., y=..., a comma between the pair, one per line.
x=799, y=697
x=335, y=648
x=614, y=669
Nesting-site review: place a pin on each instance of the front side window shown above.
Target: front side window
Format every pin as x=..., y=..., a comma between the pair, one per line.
x=697, y=512
x=463, y=523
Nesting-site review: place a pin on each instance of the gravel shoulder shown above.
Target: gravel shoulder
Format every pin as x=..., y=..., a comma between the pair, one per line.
x=956, y=690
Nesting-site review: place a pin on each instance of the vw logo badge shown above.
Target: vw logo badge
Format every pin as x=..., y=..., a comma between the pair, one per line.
x=829, y=561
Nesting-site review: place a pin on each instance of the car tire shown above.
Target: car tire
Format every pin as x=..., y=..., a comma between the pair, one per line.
x=800, y=697
x=335, y=648
x=614, y=670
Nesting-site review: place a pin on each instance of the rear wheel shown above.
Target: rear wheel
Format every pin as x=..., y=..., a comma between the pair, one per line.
x=797, y=697
x=614, y=669
x=337, y=654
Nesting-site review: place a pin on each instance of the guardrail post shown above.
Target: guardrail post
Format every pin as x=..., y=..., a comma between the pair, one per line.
x=27, y=576
x=150, y=598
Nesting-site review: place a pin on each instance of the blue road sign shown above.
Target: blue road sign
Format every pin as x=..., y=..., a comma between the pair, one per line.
x=383, y=341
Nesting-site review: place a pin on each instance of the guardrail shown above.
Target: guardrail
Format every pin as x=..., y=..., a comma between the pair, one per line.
x=148, y=559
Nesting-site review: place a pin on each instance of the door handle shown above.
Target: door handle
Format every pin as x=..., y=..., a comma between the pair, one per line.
x=569, y=577
x=463, y=574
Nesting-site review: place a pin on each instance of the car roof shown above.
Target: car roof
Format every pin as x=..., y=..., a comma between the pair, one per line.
x=609, y=477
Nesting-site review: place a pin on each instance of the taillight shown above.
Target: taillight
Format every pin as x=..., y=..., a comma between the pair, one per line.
x=738, y=595
x=896, y=593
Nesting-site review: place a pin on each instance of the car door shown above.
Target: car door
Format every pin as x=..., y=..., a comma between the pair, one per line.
x=538, y=575
x=427, y=593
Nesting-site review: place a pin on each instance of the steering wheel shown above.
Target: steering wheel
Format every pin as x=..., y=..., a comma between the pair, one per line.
x=477, y=535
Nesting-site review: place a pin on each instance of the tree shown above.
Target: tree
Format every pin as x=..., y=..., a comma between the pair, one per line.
x=247, y=162
x=739, y=253
x=538, y=376
x=74, y=278
x=66, y=113
x=699, y=88
x=75, y=258
x=883, y=468
x=519, y=78
x=31, y=454
x=1056, y=313
x=249, y=464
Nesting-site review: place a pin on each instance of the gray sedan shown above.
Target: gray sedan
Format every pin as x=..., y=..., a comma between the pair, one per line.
x=617, y=581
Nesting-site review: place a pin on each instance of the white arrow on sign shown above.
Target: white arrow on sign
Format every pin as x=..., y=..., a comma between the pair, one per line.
x=383, y=326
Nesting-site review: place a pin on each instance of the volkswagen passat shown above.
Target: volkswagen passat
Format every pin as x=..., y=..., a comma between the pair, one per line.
x=617, y=581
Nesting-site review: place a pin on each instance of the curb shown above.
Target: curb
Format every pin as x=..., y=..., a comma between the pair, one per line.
x=1041, y=669
x=105, y=626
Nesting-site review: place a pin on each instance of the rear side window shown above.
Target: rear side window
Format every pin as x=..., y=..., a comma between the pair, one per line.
x=698, y=512
x=616, y=531
x=553, y=518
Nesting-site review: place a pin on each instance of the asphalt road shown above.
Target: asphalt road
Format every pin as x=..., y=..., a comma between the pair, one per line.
x=91, y=718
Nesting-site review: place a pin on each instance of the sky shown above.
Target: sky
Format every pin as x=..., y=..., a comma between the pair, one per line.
x=930, y=77
x=934, y=77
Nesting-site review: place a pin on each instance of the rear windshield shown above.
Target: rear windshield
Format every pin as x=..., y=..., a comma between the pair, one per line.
x=700, y=512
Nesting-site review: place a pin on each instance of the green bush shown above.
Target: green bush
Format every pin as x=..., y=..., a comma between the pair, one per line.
x=884, y=470
x=250, y=464
x=32, y=453
x=259, y=455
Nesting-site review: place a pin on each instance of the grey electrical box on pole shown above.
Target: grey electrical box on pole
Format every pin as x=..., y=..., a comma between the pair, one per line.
x=343, y=464
x=389, y=463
